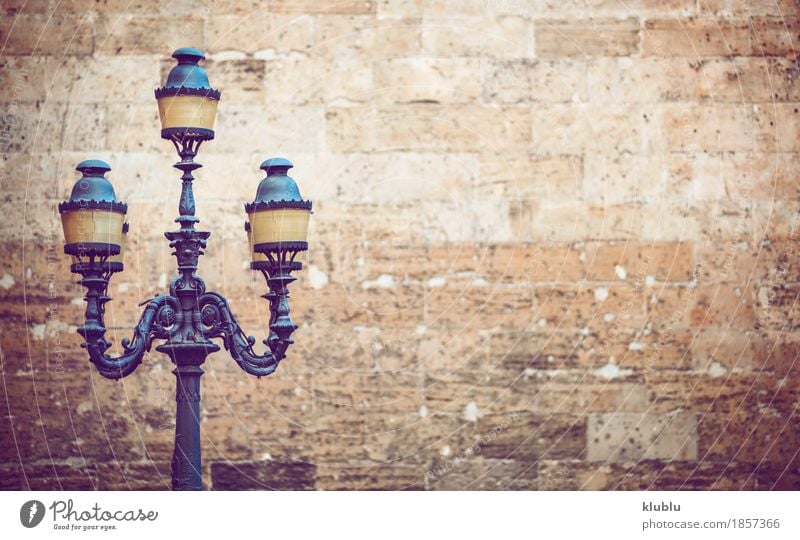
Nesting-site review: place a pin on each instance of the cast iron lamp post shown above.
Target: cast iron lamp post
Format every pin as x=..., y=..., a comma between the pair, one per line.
x=188, y=317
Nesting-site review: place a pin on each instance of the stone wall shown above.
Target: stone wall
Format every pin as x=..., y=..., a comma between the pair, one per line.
x=554, y=242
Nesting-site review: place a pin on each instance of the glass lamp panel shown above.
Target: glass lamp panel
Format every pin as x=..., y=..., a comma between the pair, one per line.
x=279, y=225
x=90, y=225
x=187, y=111
x=254, y=257
x=123, y=241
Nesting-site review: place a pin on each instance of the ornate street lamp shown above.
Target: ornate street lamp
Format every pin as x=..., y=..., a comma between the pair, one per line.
x=189, y=317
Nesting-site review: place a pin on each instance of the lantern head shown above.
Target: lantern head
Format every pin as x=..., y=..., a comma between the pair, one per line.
x=187, y=105
x=277, y=226
x=93, y=220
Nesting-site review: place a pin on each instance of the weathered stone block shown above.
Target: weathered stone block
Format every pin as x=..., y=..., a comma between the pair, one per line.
x=457, y=128
x=358, y=7
x=634, y=436
x=776, y=127
x=750, y=437
x=776, y=308
x=586, y=395
x=485, y=306
x=755, y=7
x=245, y=81
x=370, y=477
x=259, y=30
x=583, y=128
x=642, y=80
x=42, y=34
x=704, y=128
x=472, y=395
x=639, y=263
x=525, y=81
x=523, y=177
x=533, y=437
x=696, y=37
x=714, y=391
x=586, y=38
x=578, y=307
x=345, y=37
x=757, y=80
x=503, y=36
x=655, y=474
x=49, y=127
x=275, y=475
x=483, y=474
x=248, y=128
x=427, y=80
x=339, y=80
x=775, y=36
x=724, y=306
x=146, y=34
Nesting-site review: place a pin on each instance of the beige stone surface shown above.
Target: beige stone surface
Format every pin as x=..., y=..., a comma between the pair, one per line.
x=587, y=37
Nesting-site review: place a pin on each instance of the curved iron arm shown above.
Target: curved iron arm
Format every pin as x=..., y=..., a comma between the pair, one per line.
x=153, y=323
x=218, y=321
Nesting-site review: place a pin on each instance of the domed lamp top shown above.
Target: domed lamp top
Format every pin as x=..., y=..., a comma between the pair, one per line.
x=277, y=189
x=187, y=77
x=93, y=190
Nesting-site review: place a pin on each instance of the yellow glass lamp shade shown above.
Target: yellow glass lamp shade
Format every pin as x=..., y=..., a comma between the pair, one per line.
x=279, y=227
x=187, y=112
x=255, y=257
x=122, y=245
x=92, y=219
x=92, y=226
x=114, y=258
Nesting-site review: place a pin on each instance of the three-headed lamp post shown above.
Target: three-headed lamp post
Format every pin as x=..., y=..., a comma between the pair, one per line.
x=189, y=317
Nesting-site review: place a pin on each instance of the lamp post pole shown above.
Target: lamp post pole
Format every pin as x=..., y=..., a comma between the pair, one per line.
x=189, y=347
x=189, y=317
